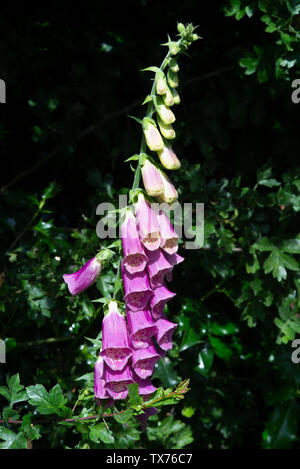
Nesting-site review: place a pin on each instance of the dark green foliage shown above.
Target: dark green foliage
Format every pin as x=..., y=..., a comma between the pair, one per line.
x=73, y=76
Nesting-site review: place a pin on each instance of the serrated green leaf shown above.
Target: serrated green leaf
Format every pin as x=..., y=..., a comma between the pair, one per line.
x=100, y=433
x=12, y=440
x=46, y=403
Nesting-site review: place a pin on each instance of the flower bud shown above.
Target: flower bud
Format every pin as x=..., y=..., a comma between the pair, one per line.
x=170, y=194
x=164, y=112
x=161, y=83
x=168, y=97
x=172, y=79
x=166, y=129
x=152, y=135
x=176, y=96
x=180, y=28
x=173, y=47
x=168, y=158
x=152, y=179
x=174, y=65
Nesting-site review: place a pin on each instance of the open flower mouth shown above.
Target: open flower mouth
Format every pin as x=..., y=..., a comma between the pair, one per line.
x=135, y=263
x=170, y=246
x=141, y=339
x=138, y=300
x=152, y=241
x=144, y=368
x=116, y=358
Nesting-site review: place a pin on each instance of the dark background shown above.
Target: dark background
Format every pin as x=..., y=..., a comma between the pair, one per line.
x=73, y=75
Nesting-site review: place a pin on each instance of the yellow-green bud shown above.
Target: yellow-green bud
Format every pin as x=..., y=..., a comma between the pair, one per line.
x=152, y=135
x=180, y=28
x=173, y=47
x=174, y=65
x=168, y=98
x=164, y=111
x=161, y=83
x=166, y=130
x=176, y=96
x=172, y=79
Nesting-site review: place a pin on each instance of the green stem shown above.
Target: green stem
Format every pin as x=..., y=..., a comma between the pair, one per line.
x=149, y=113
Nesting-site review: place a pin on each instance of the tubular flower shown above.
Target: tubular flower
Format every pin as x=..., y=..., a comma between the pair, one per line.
x=168, y=236
x=147, y=224
x=134, y=259
x=116, y=382
x=160, y=297
x=166, y=130
x=164, y=112
x=84, y=277
x=157, y=268
x=168, y=158
x=174, y=259
x=99, y=382
x=164, y=333
x=152, y=179
x=137, y=290
x=152, y=135
x=115, y=340
x=141, y=328
x=145, y=385
x=143, y=361
x=148, y=412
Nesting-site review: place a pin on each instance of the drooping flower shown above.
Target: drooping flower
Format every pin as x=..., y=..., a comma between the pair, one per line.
x=147, y=224
x=152, y=135
x=164, y=333
x=116, y=382
x=152, y=179
x=145, y=385
x=166, y=130
x=84, y=277
x=137, y=290
x=134, y=259
x=174, y=259
x=148, y=412
x=99, y=382
x=168, y=236
x=143, y=361
x=141, y=328
x=168, y=158
x=160, y=296
x=115, y=340
x=158, y=266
